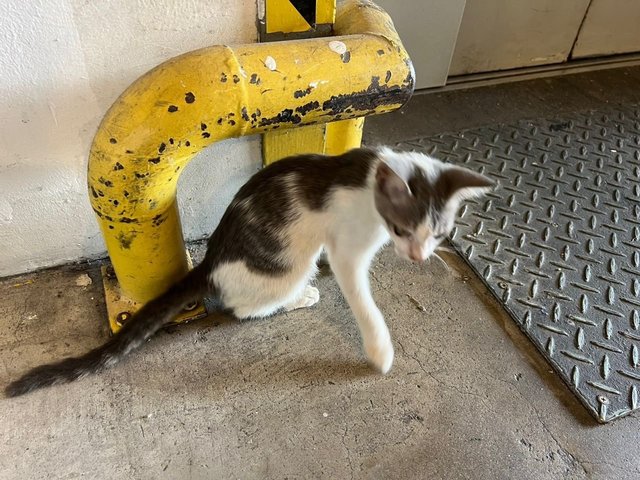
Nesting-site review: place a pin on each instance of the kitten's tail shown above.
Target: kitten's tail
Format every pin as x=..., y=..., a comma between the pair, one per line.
x=146, y=322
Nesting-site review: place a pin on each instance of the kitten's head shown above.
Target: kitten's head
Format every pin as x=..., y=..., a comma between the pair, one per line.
x=418, y=197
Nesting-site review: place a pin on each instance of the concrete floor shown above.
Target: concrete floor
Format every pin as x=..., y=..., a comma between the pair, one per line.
x=291, y=396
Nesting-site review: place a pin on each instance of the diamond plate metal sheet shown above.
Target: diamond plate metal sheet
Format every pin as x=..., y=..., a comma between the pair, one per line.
x=558, y=242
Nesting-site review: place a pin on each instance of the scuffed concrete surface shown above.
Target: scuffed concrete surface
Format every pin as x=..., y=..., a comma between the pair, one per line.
x=292, y=397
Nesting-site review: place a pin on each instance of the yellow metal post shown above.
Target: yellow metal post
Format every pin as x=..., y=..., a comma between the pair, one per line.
x=162, y=120
x=331, y=138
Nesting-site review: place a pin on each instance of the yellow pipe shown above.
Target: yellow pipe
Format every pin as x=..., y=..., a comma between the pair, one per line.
x=185, y=104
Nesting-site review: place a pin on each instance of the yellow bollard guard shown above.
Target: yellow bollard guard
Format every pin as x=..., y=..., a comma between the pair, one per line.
x=168, y=115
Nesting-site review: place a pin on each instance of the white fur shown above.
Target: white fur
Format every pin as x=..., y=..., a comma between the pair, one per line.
x=350, y=245
x=351, y=231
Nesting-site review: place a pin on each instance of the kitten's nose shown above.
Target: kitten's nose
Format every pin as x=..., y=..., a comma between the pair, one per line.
x=416, y=257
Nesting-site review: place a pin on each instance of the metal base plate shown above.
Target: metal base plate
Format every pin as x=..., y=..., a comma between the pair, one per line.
x=120, y=308
x=558, y=242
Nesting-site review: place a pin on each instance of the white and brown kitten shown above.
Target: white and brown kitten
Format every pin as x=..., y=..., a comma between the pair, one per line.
x=263, y=254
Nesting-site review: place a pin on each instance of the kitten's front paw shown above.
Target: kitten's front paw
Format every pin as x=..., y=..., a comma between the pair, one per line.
x=380, y=353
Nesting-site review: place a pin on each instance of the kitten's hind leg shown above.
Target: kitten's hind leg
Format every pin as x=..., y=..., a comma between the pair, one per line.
x=309, y=297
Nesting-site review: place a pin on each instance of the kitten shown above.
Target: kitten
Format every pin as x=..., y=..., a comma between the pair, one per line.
x=263, y=254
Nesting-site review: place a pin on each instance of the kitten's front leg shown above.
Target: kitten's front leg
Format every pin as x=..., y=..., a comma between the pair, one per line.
x=352, y=275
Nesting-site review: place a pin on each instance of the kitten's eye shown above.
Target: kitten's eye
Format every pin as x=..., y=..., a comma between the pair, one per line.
x=400, y=232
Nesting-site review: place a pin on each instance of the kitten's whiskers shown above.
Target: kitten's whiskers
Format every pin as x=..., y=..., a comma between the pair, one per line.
x=446, y=265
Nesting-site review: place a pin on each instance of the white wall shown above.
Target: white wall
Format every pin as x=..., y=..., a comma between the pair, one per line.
x=62, y=64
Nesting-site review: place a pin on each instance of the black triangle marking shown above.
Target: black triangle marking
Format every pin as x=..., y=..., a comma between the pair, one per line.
x=306, y=8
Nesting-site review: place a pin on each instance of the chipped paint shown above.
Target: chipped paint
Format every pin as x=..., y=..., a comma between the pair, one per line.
x=144, y=162
x=338, y=46
x=270, y=63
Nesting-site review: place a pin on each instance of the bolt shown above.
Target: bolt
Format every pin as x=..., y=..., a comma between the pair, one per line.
x=110, y=272
x=190, y=306
x=122, y=318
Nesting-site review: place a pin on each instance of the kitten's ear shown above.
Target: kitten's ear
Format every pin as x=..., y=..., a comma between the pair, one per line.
x=391, y=186
x=462, y=183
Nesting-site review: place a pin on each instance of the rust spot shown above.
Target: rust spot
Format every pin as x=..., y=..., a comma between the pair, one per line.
x=236, y=79
x=302, y=93
x=223, y=77
x=220, y=120
x=203, y=126
x=113, y=140
x=116, y=203
x=206, y=134
x=128, y=151
x=106, y=183
x=380, y=52
x=110, y=227
x=94, y=193
x=374, y=96
x=189, y=97
x=244, y=113
x=118, y=166
x=125, y=239
x=155, y=160
x=187, y=143
x=255, y=79
x=285, y=116
x=307, y=107
x=162, y=147
x=172, y=108
x=388, y=77
x=126, y=194
x=141, y=175
x=158, y=220
x=232, y=122
x=128, y=220
x=171, y=141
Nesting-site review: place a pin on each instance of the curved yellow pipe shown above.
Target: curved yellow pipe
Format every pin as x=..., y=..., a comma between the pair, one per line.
x=185, y=104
